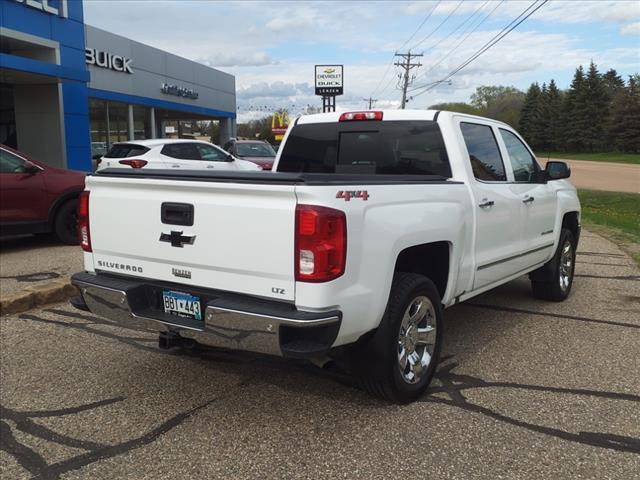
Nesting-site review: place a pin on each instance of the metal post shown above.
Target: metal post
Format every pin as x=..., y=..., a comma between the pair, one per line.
x=152, y=121
x=130, y=123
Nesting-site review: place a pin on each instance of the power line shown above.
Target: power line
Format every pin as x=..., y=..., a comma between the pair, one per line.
x=406, y=65
x=489, y=44
x=401, y=46
x=438, y=27
x=448, y=54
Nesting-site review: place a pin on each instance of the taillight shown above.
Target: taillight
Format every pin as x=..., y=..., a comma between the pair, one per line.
x=358, y=116
x=321, y=243
x=136, y=163
x=84, y=236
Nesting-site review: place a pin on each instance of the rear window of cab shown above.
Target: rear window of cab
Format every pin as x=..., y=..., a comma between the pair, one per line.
x=368, y=147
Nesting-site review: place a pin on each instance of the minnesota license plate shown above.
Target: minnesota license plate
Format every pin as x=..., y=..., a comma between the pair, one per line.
x=182, y=304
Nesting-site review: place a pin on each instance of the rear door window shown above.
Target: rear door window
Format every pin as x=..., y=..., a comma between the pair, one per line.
x=484, y=154
x=181, y=151
x=387, y=147
x=126, y=150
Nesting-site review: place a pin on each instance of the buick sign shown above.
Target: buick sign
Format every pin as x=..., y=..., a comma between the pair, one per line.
x=107, y=60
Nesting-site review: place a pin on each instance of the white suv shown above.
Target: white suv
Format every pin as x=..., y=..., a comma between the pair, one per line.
x=168, y=154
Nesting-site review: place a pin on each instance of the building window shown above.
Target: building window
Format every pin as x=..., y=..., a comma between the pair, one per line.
x=98, y=126
x=141, y=123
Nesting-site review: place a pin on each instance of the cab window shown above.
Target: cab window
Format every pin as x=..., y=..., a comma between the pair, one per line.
x=484, y=154
x=522, y=161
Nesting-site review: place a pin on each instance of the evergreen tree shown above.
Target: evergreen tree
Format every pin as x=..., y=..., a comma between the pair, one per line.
x=553, y=117
x=596, y=108
x=531, y=116
x=625, y=121
x=576, y=118
x=613, y=85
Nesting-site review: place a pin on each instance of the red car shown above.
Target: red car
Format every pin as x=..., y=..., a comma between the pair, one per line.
x=257, y=151
x=37, y=198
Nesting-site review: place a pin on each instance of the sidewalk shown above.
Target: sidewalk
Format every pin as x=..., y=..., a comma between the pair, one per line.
x=614, y=177
x=35, y=270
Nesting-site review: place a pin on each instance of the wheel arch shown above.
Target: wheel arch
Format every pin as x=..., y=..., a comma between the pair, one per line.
x=61, y=200
x=429, y=259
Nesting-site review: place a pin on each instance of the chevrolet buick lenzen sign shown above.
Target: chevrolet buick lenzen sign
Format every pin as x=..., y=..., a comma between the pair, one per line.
x=329, y=80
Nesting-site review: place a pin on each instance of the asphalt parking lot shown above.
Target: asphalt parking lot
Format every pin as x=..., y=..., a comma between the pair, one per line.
x=526, y=389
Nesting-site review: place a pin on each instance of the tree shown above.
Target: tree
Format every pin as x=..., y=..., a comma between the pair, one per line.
x=625, y=118
x=575, y=118
x=596, y=109
x=552, y=117
x=499, y=102
x=531, y=117
x=459, y=107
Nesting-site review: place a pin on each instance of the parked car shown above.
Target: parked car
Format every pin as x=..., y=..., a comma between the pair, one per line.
x=257, y=151
x=372, y=223
x=37, y=198
x=169, y=154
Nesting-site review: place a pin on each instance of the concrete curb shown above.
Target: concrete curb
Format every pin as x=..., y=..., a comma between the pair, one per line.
x=36, y=295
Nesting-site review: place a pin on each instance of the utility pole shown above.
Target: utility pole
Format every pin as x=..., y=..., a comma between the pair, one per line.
x=407, y=66
x=371, y=101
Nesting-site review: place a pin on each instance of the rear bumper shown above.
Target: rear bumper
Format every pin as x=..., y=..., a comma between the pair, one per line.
x=232, y=321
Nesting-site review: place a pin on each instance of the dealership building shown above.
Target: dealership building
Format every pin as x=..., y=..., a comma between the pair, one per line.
x=68, y=90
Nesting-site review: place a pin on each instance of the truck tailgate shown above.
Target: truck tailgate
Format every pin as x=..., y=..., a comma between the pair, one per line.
x=243, y=233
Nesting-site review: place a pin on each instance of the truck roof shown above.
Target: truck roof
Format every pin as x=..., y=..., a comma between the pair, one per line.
x=393, y=115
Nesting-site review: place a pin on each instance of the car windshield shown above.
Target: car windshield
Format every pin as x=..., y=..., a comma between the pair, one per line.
x=255, y=150
x=389, y=147
x=124, y=150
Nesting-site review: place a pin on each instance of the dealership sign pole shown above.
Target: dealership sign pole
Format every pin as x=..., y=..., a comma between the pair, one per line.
x=329, y=84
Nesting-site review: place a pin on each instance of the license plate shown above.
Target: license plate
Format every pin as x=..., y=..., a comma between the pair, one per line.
x=182, y=304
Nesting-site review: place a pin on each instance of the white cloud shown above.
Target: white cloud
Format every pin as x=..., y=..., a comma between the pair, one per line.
x=631, y=29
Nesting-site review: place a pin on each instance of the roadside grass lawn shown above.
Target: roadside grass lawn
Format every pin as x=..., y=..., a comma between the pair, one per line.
x=615, y=157
x=614, y=214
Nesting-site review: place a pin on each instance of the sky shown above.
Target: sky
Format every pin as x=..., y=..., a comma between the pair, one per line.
x=271, y=47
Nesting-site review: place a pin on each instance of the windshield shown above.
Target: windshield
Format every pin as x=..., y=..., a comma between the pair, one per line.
x=392, y=147
x=255, y=150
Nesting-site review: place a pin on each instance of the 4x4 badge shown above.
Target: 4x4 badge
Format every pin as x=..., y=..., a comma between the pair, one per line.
x=348, y=195
x=176, y=239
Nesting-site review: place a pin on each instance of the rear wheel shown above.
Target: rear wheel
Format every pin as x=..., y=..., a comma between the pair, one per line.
x=553, y=281
x=66, y=222
x=398, y=362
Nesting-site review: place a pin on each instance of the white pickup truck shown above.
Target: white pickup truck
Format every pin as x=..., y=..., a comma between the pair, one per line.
x=371, y=224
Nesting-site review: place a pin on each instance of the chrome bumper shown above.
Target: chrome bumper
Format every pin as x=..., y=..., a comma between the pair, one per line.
x=230, y=321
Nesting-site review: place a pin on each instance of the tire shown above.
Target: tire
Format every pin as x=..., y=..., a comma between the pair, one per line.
x=553, y=280
x=65, y=225
x=379, y=360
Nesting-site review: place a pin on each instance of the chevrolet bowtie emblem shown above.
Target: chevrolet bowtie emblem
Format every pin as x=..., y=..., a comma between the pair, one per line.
x=176, y=239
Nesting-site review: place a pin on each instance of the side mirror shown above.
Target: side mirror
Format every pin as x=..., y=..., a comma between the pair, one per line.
x=230, y=158
x=31, y=168
x=557, y=170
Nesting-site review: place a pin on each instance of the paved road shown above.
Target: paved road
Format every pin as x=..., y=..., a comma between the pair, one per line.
x=32, y=260
x=615, y=177
x=526, y=389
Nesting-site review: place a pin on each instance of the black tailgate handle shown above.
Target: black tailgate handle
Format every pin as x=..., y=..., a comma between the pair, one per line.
x=177, y=214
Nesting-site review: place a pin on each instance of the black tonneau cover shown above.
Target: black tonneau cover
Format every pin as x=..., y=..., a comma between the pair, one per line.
x=281, y=178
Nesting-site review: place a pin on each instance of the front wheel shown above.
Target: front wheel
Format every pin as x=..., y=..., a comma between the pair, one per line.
x=398, y=362
x=553, y=281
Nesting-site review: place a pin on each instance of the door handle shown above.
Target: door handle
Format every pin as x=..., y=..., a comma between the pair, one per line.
x=528, y=200
x=175, y=166
x=210, y=166
x=486, y=203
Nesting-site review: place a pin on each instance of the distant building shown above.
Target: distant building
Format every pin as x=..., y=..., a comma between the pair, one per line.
x=69, y=90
